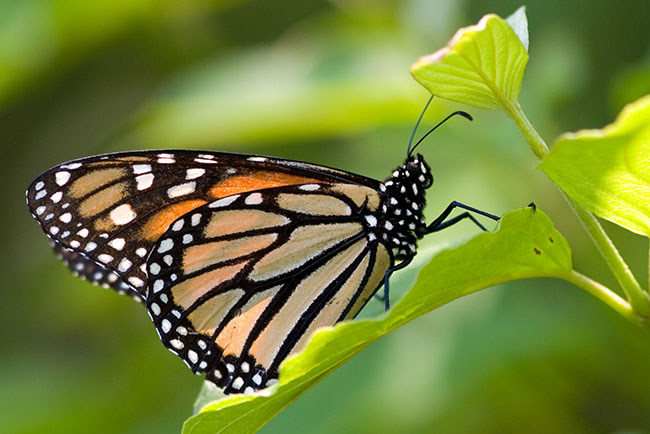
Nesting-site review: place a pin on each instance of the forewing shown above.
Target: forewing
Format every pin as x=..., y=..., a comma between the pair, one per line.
x=105, y=213
x=239, y=284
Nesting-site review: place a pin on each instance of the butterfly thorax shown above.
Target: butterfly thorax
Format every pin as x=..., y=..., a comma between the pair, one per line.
x=401, y=222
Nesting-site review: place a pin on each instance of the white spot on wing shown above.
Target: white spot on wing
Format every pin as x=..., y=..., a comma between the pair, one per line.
x=258, y=159
x=372, y=220
x=238, y=383
x=66, y=218
x=154, y=268
x=105, y=258
x=225, y=201
x=56, y=197
x=123, y=214
x=165, y=245
x=62, y=178
x=117, y=243
x=124, y=265
x=194, y=173
x=71, y=166
x=309, y=187
x=144, y=181
x=181, y=189
x=158, y=285
x=136, y=281
x=141, y=168
x=253, y=199
x=177, y=226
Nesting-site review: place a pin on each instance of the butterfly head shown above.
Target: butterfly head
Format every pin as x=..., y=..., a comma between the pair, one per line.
x=404, y=200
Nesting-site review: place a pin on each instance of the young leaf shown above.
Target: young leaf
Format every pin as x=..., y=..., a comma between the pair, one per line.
x=607, y=171
x=482, y=65
x=526, y=245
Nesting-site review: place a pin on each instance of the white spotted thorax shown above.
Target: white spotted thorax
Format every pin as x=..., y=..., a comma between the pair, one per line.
x=400, y=223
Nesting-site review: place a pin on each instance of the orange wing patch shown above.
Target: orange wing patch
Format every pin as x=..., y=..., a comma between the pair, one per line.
x=255, y=181
x=94, y=180
x=160, y=221
x=230, y=222
x=198, y=257
x=382, y=263
x=331, y=312
x=233, y=337
x=321, y=204
x=207, y=317
x=103, y=199
x=266, y=346
x=190, y=290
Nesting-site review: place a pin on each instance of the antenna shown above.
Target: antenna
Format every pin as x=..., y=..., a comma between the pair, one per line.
x=461, y=113
x=417, y=124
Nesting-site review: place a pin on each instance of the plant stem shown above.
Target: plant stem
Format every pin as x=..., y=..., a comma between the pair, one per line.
x=537, y=144
x=636, y=296
x=604, y=294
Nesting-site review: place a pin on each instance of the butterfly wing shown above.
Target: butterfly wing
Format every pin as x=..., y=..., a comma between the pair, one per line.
x=105, y=213
x=92, y=271
x=239, y=284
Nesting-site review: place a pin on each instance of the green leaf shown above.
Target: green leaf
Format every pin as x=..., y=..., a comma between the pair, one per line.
x=607, y=171
x=482, y=65
x=526, y=245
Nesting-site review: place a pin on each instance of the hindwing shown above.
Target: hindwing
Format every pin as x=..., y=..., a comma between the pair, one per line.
x=240, y=283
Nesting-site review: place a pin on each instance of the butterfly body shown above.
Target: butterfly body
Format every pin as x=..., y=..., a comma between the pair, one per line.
x=238, y=258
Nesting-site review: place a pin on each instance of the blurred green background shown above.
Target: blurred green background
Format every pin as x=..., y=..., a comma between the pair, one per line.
x=326, y=82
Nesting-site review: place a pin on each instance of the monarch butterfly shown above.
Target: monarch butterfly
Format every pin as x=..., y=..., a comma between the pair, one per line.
x=238, y=258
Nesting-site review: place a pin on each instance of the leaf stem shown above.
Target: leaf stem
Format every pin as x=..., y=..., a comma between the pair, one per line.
x=636, y=296
x=604, y=294
x=537, y=144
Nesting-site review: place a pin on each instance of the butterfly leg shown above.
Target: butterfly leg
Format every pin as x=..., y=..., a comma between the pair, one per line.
x=385, y=297
x=441, y=222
